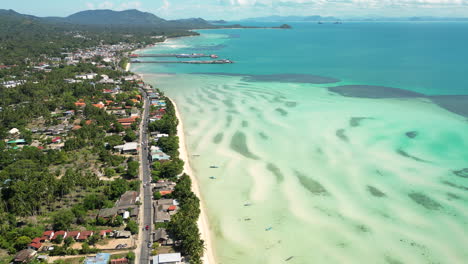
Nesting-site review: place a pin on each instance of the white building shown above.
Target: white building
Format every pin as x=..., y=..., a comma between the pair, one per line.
x=171, y=258
x=130, y=147
x=13, y=131
x=88, y=76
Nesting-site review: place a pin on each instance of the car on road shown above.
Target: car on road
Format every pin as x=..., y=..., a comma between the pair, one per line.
x=149, y=244
x=147, y=227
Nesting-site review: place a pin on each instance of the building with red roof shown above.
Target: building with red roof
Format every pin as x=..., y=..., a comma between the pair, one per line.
x=165, y=192
x=59, y=233
x=49, y=234
x=84, y=235
x=104, y=233
x=80, y=103
x=35, y=246
x=73, y=234
x=119, y=261
x=99, y=105
x=130, y=120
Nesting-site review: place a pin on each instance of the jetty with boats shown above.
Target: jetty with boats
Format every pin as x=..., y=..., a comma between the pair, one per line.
x=187, y=62
x=135, y=58
x=182, y=56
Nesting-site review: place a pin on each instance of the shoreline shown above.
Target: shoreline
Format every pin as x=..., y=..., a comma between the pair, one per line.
x=203, y=224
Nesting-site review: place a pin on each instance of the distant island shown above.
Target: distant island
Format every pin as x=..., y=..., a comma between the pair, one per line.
x=218, y=21
x=285, y=26
x=318, y=18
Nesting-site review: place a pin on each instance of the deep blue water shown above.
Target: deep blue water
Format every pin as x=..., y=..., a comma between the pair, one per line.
x=431, y=58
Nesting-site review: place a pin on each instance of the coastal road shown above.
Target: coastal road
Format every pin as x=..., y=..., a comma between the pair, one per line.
x=146, y=219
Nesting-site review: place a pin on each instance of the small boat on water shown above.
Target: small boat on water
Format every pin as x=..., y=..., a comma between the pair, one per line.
x=213, y=167
x=268, y=228
x=247, y=219
x=247, y=204
x=288, y=259
x=196, y=155
x=213, y=177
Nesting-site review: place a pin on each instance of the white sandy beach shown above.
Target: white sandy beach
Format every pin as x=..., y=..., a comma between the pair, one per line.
x=203, y=224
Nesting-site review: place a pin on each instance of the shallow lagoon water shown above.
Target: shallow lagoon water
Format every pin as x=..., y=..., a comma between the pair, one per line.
x=327, y=178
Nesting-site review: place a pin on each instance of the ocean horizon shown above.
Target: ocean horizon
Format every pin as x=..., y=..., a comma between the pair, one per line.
x=338, y=143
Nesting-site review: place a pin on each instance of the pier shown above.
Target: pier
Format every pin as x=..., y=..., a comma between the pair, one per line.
x=187, y=62
x=193, y=55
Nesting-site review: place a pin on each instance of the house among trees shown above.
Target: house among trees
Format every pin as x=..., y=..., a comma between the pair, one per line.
x=24, y=256
x=128, y=148
x=162, y=237
x=105, y=233
x=17, y=142
x=35, y=244
x=14, y=131
x=84, y=235
x=73, y=234
x=108, y=213
x=88, y=76
x=129, y=198
x=59, y=233
x=48, y=234
x=127, y=201
x=164, y=209
x=158, y=155
x=164, y=185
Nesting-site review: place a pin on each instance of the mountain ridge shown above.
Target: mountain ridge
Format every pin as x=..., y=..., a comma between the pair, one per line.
x=106, y=17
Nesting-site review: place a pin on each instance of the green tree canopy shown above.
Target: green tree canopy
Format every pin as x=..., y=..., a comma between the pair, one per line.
x=62, y=219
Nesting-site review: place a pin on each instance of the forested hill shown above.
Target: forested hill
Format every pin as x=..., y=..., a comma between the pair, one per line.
x=109, y=18
x=25, y=37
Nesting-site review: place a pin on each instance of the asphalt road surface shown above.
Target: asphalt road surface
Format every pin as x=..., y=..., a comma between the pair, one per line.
x=145, y=254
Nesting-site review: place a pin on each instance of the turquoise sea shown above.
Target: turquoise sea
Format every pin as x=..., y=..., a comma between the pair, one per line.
x=372, y=170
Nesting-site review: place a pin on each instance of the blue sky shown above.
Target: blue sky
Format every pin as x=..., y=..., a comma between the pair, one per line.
x=235, y=9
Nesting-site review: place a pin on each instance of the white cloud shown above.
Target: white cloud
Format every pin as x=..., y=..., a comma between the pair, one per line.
x=130, y=5
x=106, y=5
x=90, y=6
x=115, y=5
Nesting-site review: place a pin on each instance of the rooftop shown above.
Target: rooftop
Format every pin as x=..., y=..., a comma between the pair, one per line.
x=100, y=258
x=167, y=258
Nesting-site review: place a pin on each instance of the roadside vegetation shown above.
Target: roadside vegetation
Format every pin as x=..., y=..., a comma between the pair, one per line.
x=183, y=225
